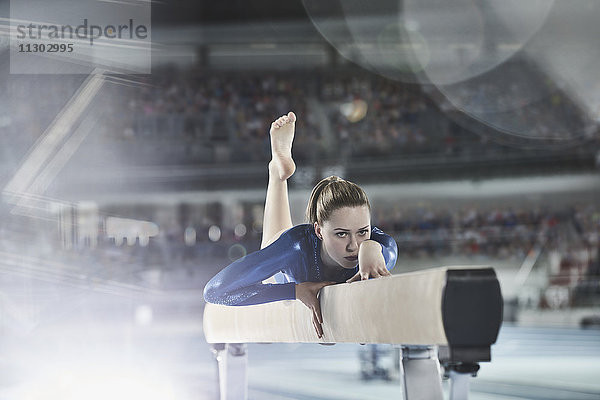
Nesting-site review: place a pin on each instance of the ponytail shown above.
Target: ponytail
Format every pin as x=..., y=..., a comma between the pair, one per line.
x=331, y=194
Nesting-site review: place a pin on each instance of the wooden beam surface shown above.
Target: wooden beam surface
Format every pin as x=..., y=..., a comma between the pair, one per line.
x=402, y=309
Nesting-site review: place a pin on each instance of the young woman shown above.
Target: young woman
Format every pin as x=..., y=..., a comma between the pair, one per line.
x=338, y=245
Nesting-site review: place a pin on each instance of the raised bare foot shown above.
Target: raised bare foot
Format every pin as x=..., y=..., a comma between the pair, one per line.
x=282, y=136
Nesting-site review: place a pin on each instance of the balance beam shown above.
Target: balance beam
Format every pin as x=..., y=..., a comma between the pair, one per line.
x=449, y=306
x=458, y=309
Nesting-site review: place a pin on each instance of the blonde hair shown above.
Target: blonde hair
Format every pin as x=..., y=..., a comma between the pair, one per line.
x=331, y=194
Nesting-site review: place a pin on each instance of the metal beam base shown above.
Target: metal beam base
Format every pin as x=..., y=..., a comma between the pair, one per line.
x=420, y=370
x=232, y=362
x=459, y=375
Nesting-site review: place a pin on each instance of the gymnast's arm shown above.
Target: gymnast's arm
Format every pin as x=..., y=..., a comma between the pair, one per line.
x=376, y=256
x=389, y=248
x=240, y=283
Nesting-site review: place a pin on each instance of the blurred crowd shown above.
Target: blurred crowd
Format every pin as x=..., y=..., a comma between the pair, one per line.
x=195, y=116
x=518, y=99
x=427, y=231
x=372, y=116
x=199, y=116
x=499, y=233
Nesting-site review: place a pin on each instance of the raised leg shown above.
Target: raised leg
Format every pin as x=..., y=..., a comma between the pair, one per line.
x=277, y=217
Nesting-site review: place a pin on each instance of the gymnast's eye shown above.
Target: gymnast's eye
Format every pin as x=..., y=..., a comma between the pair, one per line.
x=363, y=232
x=341, y=234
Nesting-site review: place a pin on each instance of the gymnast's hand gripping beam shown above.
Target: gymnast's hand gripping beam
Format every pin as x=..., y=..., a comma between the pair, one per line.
x=456, y=309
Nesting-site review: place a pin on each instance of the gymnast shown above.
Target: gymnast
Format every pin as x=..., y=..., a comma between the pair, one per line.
x=337, y=245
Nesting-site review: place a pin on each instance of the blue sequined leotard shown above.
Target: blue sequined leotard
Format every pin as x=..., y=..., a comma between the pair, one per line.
x=296, y=254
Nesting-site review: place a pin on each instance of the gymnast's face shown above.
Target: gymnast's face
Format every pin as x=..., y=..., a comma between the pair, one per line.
x=342, y=235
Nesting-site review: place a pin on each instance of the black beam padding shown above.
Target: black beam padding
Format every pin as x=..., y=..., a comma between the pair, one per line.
x=472, y=309
x=469, y=354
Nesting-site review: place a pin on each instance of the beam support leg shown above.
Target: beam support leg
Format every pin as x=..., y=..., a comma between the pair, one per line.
x=460, y=375
x=232, y=362
x=421, y=377
x=459, y=386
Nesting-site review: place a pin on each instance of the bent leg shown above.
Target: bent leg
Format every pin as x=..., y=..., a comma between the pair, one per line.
x=277, y=217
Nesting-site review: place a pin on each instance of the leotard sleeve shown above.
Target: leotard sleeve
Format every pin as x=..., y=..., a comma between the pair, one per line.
x=240, y=283
x=389, y=249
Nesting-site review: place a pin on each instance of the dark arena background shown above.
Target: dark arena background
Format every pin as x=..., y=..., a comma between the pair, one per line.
x=473, y=126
